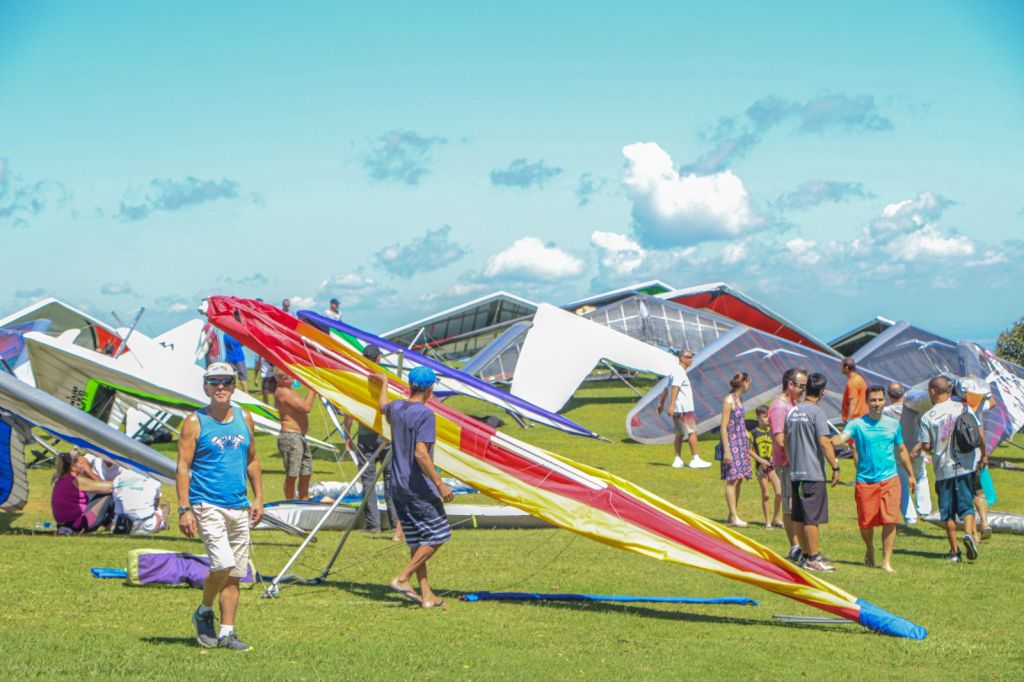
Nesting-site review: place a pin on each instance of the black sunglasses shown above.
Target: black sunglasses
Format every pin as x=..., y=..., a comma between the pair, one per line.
x=220, y=382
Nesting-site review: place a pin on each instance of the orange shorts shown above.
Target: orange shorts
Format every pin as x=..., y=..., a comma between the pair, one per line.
x=878, y=503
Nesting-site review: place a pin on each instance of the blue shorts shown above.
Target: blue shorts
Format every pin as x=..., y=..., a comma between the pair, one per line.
x=424, y=522
x=956, y=497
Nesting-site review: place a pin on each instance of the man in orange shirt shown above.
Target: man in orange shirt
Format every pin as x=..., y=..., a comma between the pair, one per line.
x=855, y=395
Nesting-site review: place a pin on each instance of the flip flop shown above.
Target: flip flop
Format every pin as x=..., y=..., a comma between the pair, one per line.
x=439, y=602
x=405, y=592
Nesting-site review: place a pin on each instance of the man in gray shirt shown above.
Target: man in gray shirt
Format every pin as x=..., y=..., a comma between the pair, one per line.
x=808, y=446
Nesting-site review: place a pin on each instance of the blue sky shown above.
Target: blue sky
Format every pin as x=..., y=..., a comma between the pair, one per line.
x=835, y=162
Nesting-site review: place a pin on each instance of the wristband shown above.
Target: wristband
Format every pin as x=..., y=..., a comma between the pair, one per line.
x=182, y=510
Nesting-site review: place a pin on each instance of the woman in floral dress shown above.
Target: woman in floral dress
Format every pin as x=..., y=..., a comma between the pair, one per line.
x=736, y=450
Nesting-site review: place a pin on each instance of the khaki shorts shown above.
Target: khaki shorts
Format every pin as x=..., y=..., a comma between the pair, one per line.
x=787, y=489
x=225, y=533
x=685, y=423
x=298, y=461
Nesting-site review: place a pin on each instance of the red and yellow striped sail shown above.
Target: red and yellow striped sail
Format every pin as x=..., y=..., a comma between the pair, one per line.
x=587, y=501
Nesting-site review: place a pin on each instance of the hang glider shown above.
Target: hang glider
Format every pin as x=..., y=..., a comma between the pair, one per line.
x=496, y=363
x=23, y=408
x=853, y=340
x=399, y=359
x=909, y=354
x=61, y=318
x=462, y=330
x=654, y=321
x=762, y=356
x=146, y=378
x=562, y=349
x=584, y=500
x=1006, y=380
x=12, y=343
x=734, y=304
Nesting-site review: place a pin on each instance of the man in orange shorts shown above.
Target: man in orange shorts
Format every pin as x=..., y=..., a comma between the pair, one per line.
x=876, y=439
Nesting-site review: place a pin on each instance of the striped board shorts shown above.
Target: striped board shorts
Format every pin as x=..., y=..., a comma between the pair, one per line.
x=424, y=522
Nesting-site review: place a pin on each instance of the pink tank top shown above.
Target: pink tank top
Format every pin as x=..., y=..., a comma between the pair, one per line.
x=68, y=503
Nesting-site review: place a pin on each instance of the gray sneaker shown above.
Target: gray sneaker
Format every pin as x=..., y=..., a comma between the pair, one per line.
x=970, y=547
x=818, y=563
x=232, y=642
x=206, y=633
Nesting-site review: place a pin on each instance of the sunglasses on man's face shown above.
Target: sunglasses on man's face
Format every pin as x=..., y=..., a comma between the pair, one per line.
x=220, y=382
x=800, y=386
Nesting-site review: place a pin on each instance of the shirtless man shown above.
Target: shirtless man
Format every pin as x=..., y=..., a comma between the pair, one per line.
x=294, y=411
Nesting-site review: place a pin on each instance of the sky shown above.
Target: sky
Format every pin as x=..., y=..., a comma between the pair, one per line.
x=833, y=161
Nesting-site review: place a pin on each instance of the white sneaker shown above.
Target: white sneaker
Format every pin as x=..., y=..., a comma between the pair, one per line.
x=678, y=463
x=698, y=463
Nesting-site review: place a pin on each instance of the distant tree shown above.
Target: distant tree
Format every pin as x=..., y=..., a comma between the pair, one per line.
x=1010, y=344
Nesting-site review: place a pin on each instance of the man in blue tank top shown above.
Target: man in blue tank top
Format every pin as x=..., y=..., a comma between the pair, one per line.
x=216, y=453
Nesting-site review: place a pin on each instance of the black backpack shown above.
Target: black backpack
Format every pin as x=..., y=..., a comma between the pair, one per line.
x=966, y=432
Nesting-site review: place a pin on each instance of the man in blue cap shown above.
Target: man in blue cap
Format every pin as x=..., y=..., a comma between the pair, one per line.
x=416, y=487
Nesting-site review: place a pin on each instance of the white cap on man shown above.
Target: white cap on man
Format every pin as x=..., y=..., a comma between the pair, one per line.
x=219, y=369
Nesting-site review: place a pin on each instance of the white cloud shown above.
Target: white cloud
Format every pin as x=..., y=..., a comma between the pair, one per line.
x=618, y=254
x=355, y=290
x=302, y=302
x=929, y=244
x=177, y=307
x=734, y=253
x=805, y=249
x=529, y=259
x=460, y=291
x=672, y=210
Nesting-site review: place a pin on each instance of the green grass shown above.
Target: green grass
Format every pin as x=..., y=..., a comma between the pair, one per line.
x=57, y=621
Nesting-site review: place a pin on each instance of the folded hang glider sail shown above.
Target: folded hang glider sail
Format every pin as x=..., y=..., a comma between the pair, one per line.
x=763, y=357
x=23, y=407
x=734, y=304
x=909, y=354
x=449, y=379
x=92, y=381
x=1006, y=380
x=587, y=501
x=654, y=321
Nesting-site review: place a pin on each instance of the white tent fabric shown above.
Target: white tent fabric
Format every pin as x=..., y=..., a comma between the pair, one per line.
x=561, y=349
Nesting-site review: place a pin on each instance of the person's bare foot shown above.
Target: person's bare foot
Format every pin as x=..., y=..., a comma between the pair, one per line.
x=738, y=523
x=398, y=537
x=405, y=589
x=888, y=569
x=869, y=558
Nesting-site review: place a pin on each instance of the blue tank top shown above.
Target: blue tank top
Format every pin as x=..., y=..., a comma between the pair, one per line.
x=218, y=467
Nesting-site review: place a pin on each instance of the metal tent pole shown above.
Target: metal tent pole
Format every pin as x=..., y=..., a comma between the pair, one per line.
x=362, y=505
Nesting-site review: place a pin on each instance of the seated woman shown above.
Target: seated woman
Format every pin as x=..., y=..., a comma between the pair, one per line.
x=71, y=502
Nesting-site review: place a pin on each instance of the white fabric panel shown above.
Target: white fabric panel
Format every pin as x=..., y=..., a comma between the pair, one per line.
x=561, y=349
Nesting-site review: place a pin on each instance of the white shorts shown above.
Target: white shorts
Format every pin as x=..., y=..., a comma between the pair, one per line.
x=225, y=533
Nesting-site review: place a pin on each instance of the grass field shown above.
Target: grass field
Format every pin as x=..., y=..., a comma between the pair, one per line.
x=57, y=621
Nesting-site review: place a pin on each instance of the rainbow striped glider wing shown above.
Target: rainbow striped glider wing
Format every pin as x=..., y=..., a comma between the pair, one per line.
x=587, y=501
x=449, y=379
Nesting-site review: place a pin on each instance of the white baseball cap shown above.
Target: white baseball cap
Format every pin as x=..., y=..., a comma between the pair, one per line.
x=219, y=369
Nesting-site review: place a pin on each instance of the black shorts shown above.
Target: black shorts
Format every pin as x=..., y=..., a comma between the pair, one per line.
x=810, y=502
x=976, y=483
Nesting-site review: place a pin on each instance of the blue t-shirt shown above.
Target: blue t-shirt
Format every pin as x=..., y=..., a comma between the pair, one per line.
x=876, y=442
x=220, y=461
x=233, y=350
x=411, y=423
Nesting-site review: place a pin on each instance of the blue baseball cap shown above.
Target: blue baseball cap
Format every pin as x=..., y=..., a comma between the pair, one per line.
x=421, y=378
